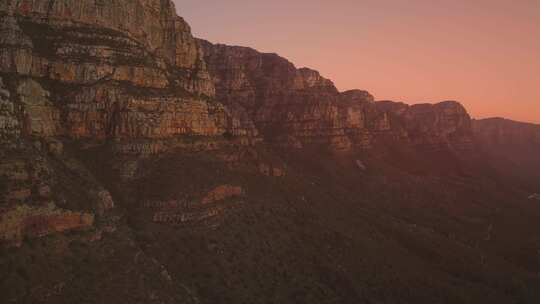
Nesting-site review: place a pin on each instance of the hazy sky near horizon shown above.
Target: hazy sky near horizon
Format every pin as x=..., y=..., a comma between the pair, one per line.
x=483, y=53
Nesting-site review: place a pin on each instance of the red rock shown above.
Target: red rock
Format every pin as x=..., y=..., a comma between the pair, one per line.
x=297, y=108
x=42, y=225
x=120, y=87
x=25, y=221
x=221, y=193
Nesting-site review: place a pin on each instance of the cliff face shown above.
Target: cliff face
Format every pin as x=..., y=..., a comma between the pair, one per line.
x=131, y=70
x=298, y=107
x=288, y=106
x=504, y=132
x=115, y=69
x=91, y=71
x=81, y=41
x=129, y=74
x=445, y=124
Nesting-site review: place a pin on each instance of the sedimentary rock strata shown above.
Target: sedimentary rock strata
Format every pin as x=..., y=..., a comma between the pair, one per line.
x=132, y=70
x=122, y=69
x=297, y=107
x=129, y=74
x=206, y=213
x=30, y=222
x=445, y=124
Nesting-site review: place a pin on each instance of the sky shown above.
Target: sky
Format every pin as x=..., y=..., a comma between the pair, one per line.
x=482, y=53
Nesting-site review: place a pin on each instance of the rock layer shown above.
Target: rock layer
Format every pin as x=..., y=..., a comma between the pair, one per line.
x=289, y=106
x=297, y=107
x=30, y=222
x=131, y=70
x=129, y=73
x=121, y=69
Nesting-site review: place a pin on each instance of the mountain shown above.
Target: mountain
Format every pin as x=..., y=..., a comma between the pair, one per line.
x=503, y=132
x=297, y=107
x=513, y=147
x=140, y=164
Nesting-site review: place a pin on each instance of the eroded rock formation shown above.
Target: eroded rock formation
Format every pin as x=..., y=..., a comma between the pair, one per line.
x=132, y=70
x=297, y=107
x=130, y=74
x=122, y=69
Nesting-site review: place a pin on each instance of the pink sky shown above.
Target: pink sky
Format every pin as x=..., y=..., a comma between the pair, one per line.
x=483, y=53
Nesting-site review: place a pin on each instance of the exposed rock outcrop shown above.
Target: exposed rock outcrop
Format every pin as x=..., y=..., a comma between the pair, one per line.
x=499, y=131
x=129, y=73
x=430, y=126
x=126, y=69
x=289, y=106
x=131, y=70
x=206, y=212
x=221, y=193
x=297, y=107
x=132, y=40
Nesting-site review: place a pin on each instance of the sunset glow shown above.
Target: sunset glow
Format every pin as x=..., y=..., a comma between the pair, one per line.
x=482, y=53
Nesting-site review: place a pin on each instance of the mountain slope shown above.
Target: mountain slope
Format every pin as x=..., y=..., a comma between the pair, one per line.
x=140, y=164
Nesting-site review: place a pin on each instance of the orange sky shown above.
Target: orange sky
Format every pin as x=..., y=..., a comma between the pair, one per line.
x=483, y=53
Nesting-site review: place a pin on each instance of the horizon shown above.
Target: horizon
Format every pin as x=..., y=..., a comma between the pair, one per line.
x=448, y=51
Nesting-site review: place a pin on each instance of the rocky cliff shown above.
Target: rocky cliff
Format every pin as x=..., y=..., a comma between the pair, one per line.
x=504, y=132
x=128, y=75
x=132, y=70
x=137, y=162
x=120, y=69
x=91, y=70
x=298, y=107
